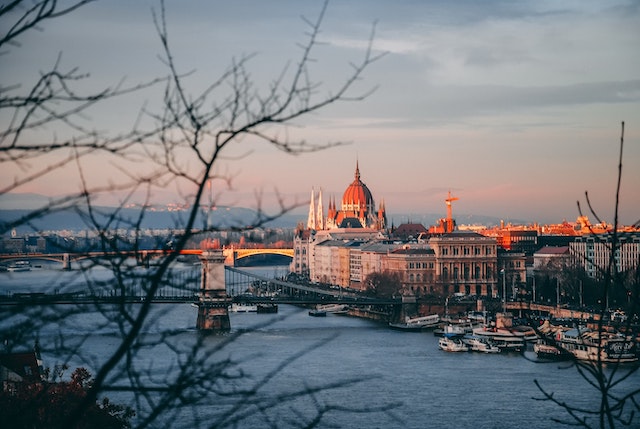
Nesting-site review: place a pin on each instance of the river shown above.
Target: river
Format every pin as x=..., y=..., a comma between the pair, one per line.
x=423, y=386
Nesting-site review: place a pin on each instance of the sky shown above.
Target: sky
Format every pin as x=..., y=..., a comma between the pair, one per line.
x=513, y=107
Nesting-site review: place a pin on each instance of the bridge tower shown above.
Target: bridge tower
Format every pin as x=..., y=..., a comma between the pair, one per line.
x=66, y=261
x=213, y=305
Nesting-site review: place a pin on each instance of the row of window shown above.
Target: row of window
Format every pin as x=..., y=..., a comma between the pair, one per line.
x=466, y=250
x=418, y=265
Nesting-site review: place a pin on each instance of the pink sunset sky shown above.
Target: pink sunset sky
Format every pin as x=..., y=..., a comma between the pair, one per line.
x=514, y=107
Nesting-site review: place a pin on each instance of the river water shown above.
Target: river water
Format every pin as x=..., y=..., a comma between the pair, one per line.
x=422, y=386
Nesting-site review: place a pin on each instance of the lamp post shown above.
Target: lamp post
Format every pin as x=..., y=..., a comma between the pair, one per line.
x=581, y=296
x=534, y=288
x=504, y=291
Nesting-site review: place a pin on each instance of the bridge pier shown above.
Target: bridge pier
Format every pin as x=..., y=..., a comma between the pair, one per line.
x=66, y=262
x=213, y=305
x=408, y=308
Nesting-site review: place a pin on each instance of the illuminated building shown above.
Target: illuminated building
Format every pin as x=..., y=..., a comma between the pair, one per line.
x=357, y=209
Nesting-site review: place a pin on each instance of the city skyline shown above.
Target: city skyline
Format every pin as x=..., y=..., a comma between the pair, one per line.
x=514, y=108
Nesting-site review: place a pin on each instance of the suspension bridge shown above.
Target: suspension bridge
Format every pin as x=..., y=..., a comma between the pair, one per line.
x=185, y=287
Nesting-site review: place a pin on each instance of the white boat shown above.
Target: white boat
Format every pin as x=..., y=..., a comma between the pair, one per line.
x=505, y=339
x=608, y=347
x=417, y=323
x=405, y=327
x=452, y=344
x=547, y=351
x=505, y=336
x=19, y=266
x=243, y=308
x=479, y=344
x=459, y=327
x=334, y=308
x=314, y=312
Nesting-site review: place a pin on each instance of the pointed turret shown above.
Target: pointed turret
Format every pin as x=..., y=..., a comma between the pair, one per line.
x=382, y=216
x=311, y=220
x=320, y=213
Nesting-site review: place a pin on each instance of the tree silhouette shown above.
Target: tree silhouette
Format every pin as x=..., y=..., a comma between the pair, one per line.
x=48, y=403
x=183, y=139
x=383, y=285
x=618, y=406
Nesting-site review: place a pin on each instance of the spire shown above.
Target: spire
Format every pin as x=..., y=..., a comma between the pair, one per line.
x=311, y=220
x=357, y=171
x=320, y=214
x=382, y=216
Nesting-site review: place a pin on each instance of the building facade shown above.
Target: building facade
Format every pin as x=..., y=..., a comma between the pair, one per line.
x=593, y=253
x=466, y=263
x=461, y=262
x=357, y=209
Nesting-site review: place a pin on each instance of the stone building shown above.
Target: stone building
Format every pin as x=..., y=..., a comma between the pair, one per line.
x=357, y=209
x=415, y=267
x=466, y=263
x=593, y=252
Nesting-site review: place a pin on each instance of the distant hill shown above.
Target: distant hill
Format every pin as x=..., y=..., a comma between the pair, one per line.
x=224, y=217
x=16, y=206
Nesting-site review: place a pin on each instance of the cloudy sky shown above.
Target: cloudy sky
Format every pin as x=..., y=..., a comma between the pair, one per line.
x=515, y=107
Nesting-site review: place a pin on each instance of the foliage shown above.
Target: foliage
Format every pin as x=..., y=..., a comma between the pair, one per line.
x=48, y=404
x=384, y=284
x=613, y=408
x=182, y=138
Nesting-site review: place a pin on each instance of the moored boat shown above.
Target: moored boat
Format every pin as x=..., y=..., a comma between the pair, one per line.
x=453, y=330
x=417, y=323
x=505, y=336
x=603, y=346
x=405, y=327
x=547, y=351
x=505, y=339
x=19, y=266
x=479, y=344
x=243, y=308
x=267, y=308
x=333, y=308
x=452, y=344
x=314, y=312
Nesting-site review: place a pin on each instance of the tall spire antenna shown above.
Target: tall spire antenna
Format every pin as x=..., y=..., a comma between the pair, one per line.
x=449, y=211
x=210, y=205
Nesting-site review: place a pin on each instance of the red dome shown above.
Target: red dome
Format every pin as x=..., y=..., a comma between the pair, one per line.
x=357, y=197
